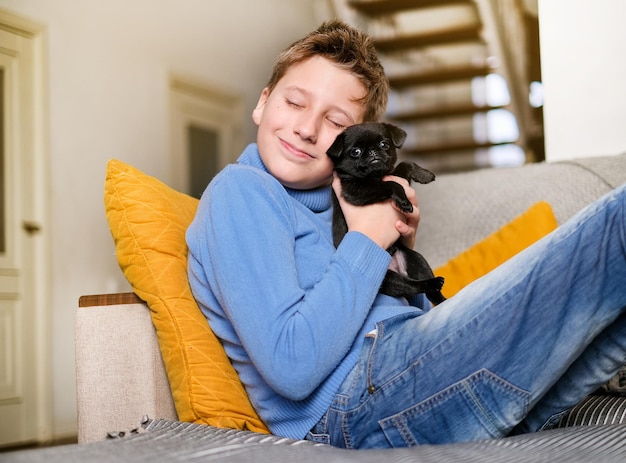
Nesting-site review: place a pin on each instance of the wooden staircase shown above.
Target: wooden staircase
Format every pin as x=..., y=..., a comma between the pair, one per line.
x=438, y=54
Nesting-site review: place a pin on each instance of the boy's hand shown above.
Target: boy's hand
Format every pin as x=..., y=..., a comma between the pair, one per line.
x=382, y=222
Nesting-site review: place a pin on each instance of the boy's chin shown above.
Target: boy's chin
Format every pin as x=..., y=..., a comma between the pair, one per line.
x=302, y=183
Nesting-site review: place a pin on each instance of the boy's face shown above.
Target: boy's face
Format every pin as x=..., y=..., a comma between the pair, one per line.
x=300, y=118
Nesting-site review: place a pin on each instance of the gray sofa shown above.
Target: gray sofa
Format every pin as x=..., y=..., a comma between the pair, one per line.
x=125, y=409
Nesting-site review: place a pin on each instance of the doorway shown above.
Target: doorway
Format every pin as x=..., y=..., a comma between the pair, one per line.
x=24, y=233
x=206, y=133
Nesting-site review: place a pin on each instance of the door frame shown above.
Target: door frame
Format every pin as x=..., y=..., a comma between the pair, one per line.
x=30, y=134
x=208, y=107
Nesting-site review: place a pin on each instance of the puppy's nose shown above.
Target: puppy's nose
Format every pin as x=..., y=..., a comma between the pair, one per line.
x=375, y=155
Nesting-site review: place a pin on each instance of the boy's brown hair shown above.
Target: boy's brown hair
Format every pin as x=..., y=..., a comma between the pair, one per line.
x=350, y=49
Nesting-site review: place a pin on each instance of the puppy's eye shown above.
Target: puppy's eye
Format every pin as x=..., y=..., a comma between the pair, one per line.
x=356, y=152
x=383, y=145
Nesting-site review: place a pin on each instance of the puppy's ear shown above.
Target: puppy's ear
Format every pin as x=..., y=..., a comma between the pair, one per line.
x=334, y=152
x=397, y=134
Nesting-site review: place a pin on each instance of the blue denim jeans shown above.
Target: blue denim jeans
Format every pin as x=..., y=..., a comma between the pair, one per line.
x=512, y=351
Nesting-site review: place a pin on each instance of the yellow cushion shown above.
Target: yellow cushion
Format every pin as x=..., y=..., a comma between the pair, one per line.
x=487, y=254
x=148, y=221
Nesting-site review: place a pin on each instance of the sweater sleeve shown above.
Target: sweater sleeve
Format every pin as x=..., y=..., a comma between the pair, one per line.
x=295, y=334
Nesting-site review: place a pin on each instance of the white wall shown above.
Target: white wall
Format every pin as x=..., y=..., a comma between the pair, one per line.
x=583, y=50
x=109, y=63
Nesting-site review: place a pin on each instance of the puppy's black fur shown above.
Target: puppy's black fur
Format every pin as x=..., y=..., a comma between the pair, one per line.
x=363, y=154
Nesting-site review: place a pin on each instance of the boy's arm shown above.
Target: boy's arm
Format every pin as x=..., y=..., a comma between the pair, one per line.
x=282, y=326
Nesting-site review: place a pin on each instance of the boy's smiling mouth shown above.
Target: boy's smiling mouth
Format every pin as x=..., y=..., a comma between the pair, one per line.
x=296, y=151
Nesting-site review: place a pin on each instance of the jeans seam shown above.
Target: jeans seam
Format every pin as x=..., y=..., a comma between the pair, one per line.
x=345, y=432
x=370, y=363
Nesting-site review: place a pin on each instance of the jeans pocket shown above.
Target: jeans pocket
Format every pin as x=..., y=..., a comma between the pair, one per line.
x=318, y=438
x=319, y=432
x=481, y=406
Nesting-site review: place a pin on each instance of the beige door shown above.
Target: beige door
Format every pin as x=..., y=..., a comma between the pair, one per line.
x=23, y=288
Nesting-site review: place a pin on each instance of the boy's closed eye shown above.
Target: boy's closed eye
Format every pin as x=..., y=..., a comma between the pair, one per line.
x=337, y=125
x=297, y=105
x=293, y=103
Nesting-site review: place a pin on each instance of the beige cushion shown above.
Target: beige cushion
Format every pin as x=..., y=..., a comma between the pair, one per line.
x=120, y=375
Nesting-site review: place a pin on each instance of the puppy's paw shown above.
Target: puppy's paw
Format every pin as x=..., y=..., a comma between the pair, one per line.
x=424, y=177
x=404, y=205
x=433, y=284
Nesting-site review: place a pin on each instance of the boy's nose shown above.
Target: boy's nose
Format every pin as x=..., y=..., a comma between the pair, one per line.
x=306, y=127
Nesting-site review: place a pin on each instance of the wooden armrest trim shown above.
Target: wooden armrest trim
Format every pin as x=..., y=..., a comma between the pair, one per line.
x=108, y=299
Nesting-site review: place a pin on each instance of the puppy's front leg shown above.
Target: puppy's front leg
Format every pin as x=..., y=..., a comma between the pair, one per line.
x=399, y=196
x=412, y=171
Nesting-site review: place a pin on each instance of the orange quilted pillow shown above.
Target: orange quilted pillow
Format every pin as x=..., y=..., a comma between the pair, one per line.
x=148, y=221
x=487, y=254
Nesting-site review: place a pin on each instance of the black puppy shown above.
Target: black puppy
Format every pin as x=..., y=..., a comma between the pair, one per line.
x=363, y=154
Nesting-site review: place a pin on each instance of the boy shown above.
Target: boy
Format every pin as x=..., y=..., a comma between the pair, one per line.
x=322, y=355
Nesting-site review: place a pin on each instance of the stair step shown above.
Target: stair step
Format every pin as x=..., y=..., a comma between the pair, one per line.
x=438, y=76
x=433, y=113
x=448, y=148
x=382, y=7
x=468, y=33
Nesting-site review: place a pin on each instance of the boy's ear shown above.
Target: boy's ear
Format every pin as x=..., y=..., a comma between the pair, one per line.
x=257, y=112
x=334, y=152
x=397, y=134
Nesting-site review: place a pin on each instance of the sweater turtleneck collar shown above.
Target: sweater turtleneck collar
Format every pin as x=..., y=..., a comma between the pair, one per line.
x=317, y=199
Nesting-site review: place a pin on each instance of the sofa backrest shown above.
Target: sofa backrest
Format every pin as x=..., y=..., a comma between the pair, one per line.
x=457, y=210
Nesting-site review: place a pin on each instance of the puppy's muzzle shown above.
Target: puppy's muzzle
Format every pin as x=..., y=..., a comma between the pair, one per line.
x=374, y=157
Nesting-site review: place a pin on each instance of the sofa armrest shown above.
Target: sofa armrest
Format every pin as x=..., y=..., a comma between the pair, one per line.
x=120, y=375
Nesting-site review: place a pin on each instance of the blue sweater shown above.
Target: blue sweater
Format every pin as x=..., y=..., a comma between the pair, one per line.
x=290, y=309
